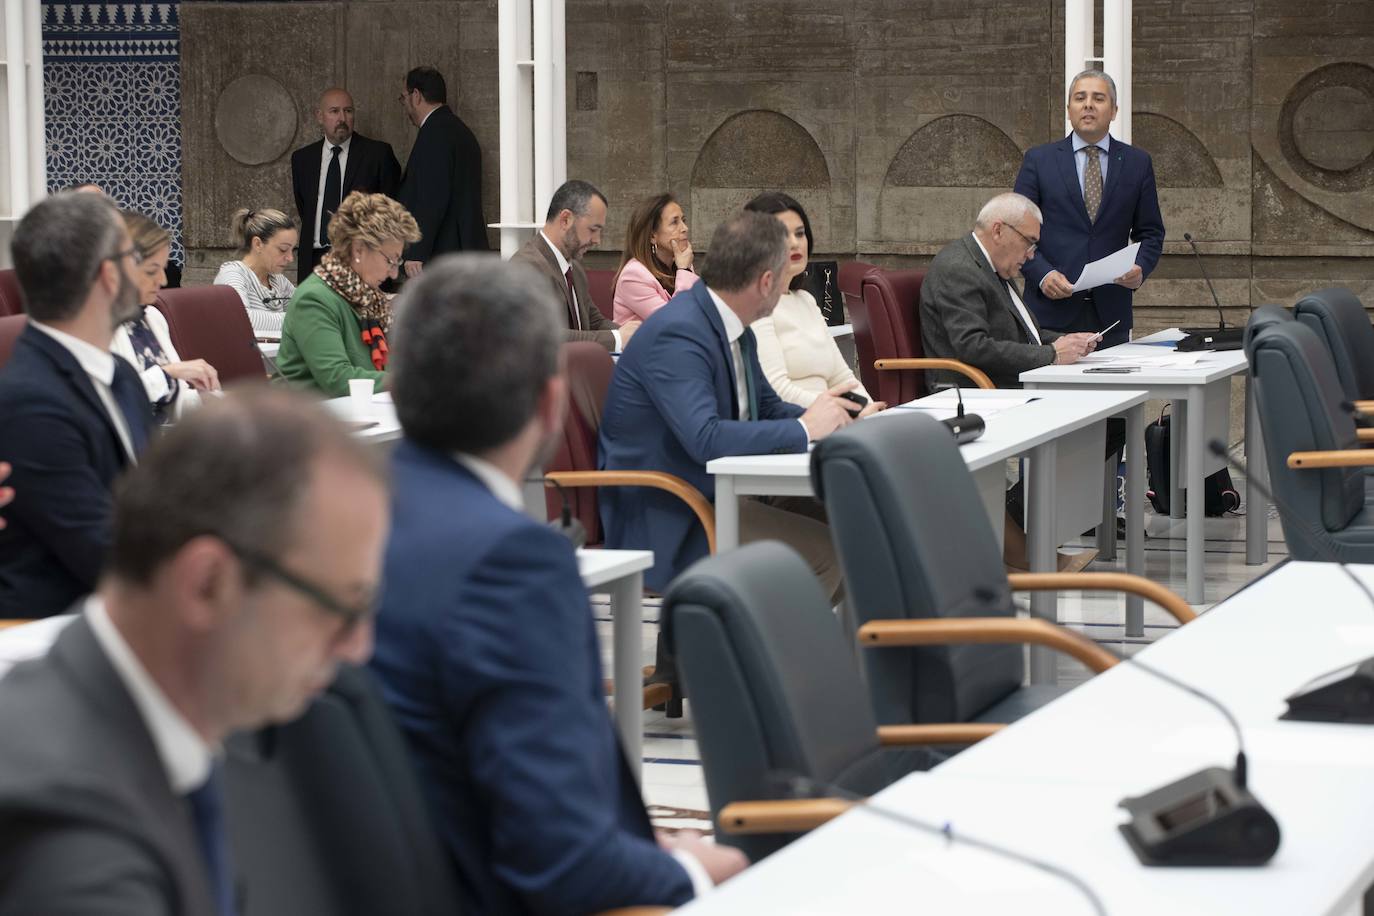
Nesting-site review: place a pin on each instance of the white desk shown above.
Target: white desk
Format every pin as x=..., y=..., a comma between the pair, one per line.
x=1201, y=397
x=1063, y=436
x=385, y=429
x=1048, y=786
x=620, y=574
x=842, y=330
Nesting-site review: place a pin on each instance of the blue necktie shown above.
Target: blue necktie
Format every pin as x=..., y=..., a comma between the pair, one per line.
x=746, y=358
x=207, y=808
x=133, y=403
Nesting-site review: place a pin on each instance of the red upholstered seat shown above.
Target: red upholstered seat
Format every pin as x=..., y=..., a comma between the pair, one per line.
x=601, y=284
x=11, y=303
x=851, y=282
x=887, y=326
x=589, y=377
x=11, y=326
x=210, y=323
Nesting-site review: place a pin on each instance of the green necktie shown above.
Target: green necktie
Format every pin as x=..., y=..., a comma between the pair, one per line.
x=746, y=357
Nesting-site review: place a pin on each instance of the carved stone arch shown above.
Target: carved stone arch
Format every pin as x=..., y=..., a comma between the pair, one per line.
x=1180, y=158
x=760, y=149
x=955, y=151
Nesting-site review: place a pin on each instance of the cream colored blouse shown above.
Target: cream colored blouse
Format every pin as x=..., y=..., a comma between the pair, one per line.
x=799, y=357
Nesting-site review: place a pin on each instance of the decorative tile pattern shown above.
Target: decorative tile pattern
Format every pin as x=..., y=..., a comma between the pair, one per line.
x=112, y=98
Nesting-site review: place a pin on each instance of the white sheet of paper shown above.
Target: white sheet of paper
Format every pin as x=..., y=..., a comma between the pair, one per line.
x=1107, y=269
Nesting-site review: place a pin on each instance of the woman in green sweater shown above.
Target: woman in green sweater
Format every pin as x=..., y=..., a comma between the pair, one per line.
x=337, y=321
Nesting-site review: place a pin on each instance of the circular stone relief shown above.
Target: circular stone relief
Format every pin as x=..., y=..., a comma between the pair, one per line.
x=1326, y=127
x=255, y=119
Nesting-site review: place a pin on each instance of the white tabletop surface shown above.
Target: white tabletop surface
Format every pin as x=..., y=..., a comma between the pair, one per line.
x=1209, y=367
x=841, y=330
x=1010, y=432
x=381, y=414
x=1049, y=785
x=269, y=348
x=601, y=566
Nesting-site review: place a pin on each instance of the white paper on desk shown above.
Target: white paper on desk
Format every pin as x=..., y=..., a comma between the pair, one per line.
x=1105, y=270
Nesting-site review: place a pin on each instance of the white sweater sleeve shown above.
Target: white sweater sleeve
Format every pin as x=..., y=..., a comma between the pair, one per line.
x=774, y=364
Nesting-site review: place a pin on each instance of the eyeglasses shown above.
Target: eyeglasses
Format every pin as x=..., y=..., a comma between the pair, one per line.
x=1031, y=244
x=391, y=263
x=130, y=252
x=352, y=616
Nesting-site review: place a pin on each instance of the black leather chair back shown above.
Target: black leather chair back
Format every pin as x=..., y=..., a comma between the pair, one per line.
x=774, y=686
x=326, y=814
x=1340, y=321
x=914, y=540
x=1299, y=397
x=1262, y=317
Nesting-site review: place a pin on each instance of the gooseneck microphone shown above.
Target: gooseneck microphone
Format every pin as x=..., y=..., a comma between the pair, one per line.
x=566, y=525
x=965, y=427
x=1343, y=695
x=797, y=786
x=1219, y=338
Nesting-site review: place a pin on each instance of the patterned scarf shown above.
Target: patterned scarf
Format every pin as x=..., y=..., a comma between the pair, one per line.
x=369, y=303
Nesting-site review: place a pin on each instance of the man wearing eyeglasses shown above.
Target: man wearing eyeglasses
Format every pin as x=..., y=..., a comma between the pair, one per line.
x=73, y=416
x=245, y=558
x=971, y=311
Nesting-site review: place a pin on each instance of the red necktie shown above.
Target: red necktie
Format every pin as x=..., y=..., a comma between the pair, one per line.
x=573, y=316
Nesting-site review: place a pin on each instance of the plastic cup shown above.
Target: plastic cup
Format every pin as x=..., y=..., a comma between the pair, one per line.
x=360, y=395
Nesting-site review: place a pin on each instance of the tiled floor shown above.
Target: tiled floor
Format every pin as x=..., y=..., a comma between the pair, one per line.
x=673, y=781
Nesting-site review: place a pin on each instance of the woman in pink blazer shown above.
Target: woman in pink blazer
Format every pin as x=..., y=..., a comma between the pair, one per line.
x=657, y=262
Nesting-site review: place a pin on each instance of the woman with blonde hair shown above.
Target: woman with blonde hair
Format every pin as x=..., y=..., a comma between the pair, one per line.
x=338, y=319
x=267, y=245
x=657, y=262
x=172, y=383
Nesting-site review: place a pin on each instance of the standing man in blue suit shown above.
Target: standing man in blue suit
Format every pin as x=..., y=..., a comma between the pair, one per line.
x=1098, y=195
x=73, y=415
x=690, y=389
x=486, y=646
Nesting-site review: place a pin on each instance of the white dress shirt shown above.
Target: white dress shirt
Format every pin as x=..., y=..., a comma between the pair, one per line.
x=508, y=492
x=326, y=154
x=100, y=366
x=1080, y=159
x=563, y=266
x=184, y=754
x=1015, y=299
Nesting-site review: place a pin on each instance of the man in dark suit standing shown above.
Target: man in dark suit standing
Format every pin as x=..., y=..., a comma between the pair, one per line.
x=1098, y=195
x=73, y=414
x=442, y=184
x=691, y=389
x=323, y=173
x=486, y=647
x=972, y=312
x=238, y=580
x=572, y=227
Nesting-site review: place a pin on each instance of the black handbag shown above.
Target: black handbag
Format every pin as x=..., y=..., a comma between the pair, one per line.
x=822, y=281
x=1219, y=494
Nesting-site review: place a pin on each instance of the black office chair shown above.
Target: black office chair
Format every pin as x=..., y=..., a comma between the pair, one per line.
x=1340, y=322
x=776, y=691
x=915, y=542
x=326, y=814
x=1262, y=317
x=1316, y=465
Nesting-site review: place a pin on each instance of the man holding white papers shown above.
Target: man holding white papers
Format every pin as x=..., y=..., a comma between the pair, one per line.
x=1098, y=195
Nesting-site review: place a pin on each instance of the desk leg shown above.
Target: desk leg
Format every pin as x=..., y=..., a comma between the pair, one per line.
x=1135, y=514
x=1256, y=508
x=1106, y=530
x=727, y=514
x=1042, y=550
x=1197, y=496
x=1178, y=410
x=627, y=642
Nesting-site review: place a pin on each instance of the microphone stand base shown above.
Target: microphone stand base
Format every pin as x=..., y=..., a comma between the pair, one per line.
x=1202, y=820
x=1211, y=339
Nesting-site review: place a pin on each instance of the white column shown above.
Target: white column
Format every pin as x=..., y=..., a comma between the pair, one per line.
x=1078, y=44
x=1116, y=60
x=543, y=103
x=37, y=126
x=17, y=107
x=558, y=109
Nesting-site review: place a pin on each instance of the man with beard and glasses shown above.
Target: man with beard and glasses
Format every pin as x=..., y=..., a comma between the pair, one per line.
x=486, y=646
x=577, y=214
x=74, y=415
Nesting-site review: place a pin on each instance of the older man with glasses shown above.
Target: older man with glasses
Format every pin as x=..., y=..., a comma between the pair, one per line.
x=74, y=416
x=238, y=581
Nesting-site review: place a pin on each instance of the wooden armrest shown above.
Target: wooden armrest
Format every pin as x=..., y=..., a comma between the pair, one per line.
x=1107, y=582
x=705, y=512
x=975, y=375
x=1363, y=406
x=1365, y=434
x=1336, y=458
x=6, y=624
x=793, y=815
x=944, y=733
x=987, y=629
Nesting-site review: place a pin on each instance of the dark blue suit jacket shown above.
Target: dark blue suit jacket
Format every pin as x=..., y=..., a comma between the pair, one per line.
x=672, y=407
x=487, y=654
x=1068, y=240
x=66, y=454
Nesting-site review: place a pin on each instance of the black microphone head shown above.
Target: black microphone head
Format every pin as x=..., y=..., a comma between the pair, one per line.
x=1187, y=237
x=1217, y=447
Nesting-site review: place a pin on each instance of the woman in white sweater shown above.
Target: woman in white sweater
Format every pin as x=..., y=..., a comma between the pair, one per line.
x=798, y=355
x=267, y=246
